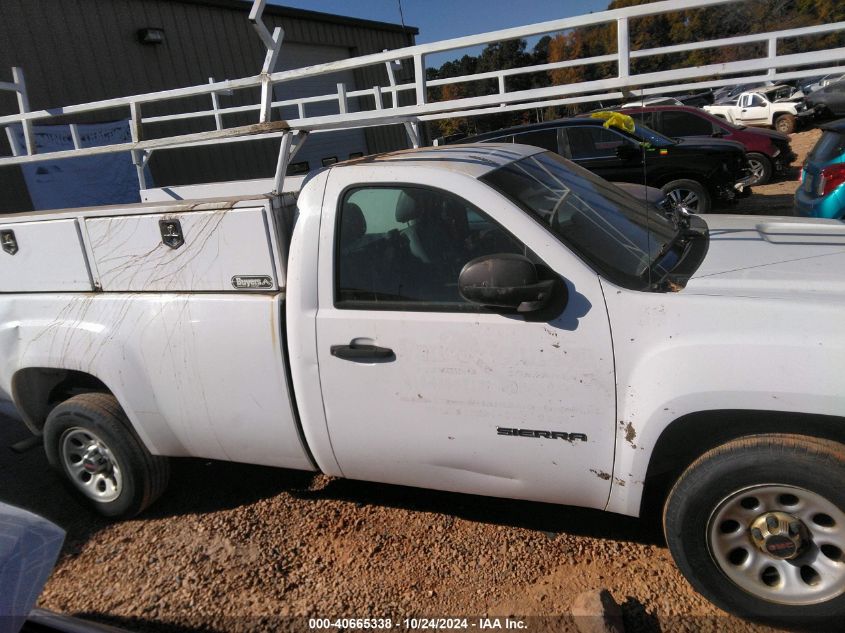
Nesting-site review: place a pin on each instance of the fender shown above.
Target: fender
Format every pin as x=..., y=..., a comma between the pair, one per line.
x=198, y=374
x=680, y=355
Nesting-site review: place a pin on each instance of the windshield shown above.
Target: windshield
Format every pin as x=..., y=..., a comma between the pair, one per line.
x=618, y=235
x=650, y=136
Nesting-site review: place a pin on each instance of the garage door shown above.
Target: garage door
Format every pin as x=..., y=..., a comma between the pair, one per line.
x=338, y=144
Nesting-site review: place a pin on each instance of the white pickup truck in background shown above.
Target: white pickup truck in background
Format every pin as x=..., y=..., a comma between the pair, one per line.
x=489, y=319
x=764, y=107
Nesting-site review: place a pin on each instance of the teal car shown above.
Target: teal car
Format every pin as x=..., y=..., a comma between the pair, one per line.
x=822, y=190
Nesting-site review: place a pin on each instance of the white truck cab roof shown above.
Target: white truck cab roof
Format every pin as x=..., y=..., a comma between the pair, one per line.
x=473, y=159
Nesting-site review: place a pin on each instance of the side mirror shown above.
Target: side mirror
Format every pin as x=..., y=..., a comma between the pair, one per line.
x=505, y=281
x=627, y=151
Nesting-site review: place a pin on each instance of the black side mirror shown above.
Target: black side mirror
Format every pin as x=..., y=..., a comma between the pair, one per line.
x=505, y=281
x=627, y=151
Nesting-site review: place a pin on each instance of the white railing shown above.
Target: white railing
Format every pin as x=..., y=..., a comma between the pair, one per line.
x=380, y=105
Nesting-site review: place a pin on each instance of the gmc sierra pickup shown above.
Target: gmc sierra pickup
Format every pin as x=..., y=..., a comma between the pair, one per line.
x=490, y=319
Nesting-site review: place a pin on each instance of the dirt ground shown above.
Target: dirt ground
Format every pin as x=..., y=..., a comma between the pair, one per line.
x=776, y=197
x=233, y=547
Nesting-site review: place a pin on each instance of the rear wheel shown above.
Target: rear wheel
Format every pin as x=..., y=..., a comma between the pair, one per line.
x=761, y=168
x=89, y=439
x=688, y=194
x=757, y=526
x=785, y=124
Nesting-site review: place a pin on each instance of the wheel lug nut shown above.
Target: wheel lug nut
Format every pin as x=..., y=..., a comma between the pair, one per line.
x=771, y=523
x=757, y=534
x=794, y=528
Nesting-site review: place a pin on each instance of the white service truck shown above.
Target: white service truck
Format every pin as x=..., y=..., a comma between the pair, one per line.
x=489, y=319
x=763, y=108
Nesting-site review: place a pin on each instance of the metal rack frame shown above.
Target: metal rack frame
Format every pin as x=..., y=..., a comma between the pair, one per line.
x=293, y=132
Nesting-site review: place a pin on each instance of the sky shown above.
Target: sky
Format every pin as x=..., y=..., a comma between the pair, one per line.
x=444, y=19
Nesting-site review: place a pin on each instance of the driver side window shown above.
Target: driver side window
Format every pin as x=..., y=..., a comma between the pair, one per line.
x=404, y=247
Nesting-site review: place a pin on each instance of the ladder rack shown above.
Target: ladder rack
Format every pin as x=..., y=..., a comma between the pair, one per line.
x=380, y=104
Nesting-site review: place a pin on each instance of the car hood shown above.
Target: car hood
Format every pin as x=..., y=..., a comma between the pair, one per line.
x=772, y=134
x=772, y=257
x=709, y=144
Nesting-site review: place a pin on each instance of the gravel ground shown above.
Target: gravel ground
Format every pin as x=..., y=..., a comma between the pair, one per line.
x=233, y=547
x=776, y=197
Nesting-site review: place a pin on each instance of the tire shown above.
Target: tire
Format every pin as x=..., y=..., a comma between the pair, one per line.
x=689, y=194
x=710, y=516
x=785, y=124
x=89, y=439
x=761, y=167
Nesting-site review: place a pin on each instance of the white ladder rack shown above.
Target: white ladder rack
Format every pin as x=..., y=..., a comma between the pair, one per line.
x=378, y=111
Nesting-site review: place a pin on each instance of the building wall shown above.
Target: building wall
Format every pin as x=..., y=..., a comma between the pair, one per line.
x=75, y=51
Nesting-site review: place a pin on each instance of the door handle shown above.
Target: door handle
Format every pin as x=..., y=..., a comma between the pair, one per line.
x=359, y=353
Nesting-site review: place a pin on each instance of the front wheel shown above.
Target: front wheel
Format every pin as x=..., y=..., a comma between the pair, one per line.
x=89, y=439
x=688, y=194
x=757, y=526
x=761, y=168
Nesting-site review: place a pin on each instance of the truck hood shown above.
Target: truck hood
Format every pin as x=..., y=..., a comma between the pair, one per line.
x=772, y=257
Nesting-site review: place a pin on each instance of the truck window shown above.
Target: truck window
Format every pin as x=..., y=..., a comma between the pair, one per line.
x=682, y=123
x=756, y=101
x=403, y=248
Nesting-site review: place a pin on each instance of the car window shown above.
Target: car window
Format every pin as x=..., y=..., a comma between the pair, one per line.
x=547, y=139
x=685, y=124
x=404, y=247
x=757, y=100
x=830, y=146
x=592, y=142
x=642, y=117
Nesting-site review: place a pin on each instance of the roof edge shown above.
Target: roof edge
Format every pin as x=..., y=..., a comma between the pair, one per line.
x=290, y=12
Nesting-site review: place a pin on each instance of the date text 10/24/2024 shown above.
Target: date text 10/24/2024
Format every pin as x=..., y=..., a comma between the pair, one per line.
x=317, y=624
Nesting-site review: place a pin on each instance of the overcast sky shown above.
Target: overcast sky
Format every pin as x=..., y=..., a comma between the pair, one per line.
x=444, y=19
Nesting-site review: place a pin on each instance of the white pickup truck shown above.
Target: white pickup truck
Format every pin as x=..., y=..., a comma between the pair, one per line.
x=489, y=319
x=764, y=107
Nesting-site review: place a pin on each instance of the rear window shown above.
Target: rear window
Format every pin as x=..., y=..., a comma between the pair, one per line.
x=830, y=146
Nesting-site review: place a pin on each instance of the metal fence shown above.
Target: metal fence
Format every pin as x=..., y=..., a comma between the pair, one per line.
x=380, y=104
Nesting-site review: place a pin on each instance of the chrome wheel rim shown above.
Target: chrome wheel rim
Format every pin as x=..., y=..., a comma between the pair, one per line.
x=757, y=170
x=684, y=198
x=90, y=465
x=761, y=561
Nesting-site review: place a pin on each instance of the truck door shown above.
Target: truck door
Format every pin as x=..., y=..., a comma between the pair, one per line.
x=753, y=109
x=421, y=387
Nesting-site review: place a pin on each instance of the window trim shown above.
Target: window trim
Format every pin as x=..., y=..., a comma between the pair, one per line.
x=407, y=306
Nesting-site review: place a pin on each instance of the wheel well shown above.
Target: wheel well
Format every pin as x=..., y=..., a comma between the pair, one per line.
x=37, y=390
x=692, y=435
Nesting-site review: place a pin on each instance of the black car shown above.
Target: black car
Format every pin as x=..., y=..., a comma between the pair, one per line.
x=693, y=172
x=829, y=100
